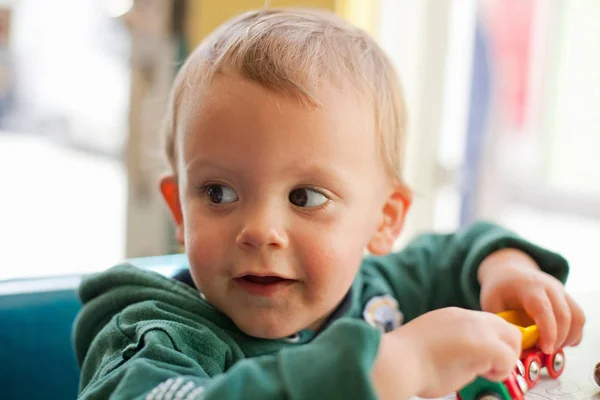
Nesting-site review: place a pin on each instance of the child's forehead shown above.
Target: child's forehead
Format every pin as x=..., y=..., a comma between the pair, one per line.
x=234, y=115
x=228, y=88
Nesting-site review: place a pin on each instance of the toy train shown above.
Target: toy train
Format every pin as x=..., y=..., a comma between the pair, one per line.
x=527, y=372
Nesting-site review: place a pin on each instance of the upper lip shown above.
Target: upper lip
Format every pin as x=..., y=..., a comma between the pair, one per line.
x=261, y=275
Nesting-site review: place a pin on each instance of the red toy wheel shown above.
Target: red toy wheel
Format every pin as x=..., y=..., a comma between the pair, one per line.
x=533, y=367
x=516, y=386
x=555, y=364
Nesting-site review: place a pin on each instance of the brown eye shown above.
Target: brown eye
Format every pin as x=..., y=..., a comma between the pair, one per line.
x=220, y=194
x=305, y=197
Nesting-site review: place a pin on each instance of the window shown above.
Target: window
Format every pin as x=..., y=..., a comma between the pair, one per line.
x=63, y=124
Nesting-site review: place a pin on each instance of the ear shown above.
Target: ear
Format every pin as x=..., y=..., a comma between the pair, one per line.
x=170, y=191
x=393, y=216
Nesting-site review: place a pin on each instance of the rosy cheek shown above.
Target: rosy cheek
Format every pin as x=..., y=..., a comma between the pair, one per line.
x=326, y=260
x=205, y=246
x=201, y=250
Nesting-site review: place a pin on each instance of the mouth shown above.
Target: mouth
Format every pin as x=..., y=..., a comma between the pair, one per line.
x=265, y=286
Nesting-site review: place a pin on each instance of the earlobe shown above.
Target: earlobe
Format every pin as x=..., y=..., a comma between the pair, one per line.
x=170, y=192
x=393, y=216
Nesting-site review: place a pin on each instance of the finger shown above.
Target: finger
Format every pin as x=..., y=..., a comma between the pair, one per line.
x=492, y=304
x=539, y=307
x=511, y=335
x=562, y=313
x=577, y=323
x=503, y=359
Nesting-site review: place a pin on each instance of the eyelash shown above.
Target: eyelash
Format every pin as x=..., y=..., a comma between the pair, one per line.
x=203, y=190
x=317, y=208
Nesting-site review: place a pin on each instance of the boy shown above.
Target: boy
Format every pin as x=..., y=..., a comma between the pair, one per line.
x=285, y=136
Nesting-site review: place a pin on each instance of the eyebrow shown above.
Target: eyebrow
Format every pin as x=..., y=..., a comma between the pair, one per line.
x=316, y=169
x=201, y=163
x=306, y=171
x=333, y=176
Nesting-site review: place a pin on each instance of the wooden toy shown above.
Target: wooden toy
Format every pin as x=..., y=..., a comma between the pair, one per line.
x=527, y=372
x=532, y=357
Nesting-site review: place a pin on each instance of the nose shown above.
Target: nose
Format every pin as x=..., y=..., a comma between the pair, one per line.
x=263, y=228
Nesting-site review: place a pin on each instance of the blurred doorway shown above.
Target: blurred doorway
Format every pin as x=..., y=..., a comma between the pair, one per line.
x=530, y=153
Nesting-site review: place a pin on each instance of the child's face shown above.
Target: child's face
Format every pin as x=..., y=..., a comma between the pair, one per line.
x=279, y=202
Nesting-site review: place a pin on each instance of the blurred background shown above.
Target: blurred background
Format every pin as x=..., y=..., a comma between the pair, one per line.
x=503, y=96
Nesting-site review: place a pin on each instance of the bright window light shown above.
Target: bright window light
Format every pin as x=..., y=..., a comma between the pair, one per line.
x=118, y=8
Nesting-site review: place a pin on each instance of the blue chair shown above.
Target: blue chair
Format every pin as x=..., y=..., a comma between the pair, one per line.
x=37, y=360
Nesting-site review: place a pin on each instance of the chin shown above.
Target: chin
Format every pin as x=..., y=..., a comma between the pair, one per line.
x=268, y=327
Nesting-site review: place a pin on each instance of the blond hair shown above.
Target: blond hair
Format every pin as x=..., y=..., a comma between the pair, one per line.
x=296, y=50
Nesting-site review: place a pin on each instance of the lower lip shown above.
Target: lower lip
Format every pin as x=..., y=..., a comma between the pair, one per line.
x=263, y=289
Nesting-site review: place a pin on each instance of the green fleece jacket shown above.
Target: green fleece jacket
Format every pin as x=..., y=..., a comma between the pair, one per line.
x=141, y=335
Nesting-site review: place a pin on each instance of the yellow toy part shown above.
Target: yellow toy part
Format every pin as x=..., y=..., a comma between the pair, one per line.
x=528, y=328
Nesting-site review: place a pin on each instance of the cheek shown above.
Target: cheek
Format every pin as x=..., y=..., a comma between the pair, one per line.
x=332, y=252
x=206, y=243
x=331, y=258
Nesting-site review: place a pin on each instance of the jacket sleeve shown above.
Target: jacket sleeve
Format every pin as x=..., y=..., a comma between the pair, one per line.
x=336, y=364
x=440, y=270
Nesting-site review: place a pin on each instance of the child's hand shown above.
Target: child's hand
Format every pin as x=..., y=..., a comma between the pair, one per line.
x=443, y=350
x=510, y=279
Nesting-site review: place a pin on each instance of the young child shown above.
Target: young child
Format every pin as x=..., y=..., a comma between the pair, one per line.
x=285, y=134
